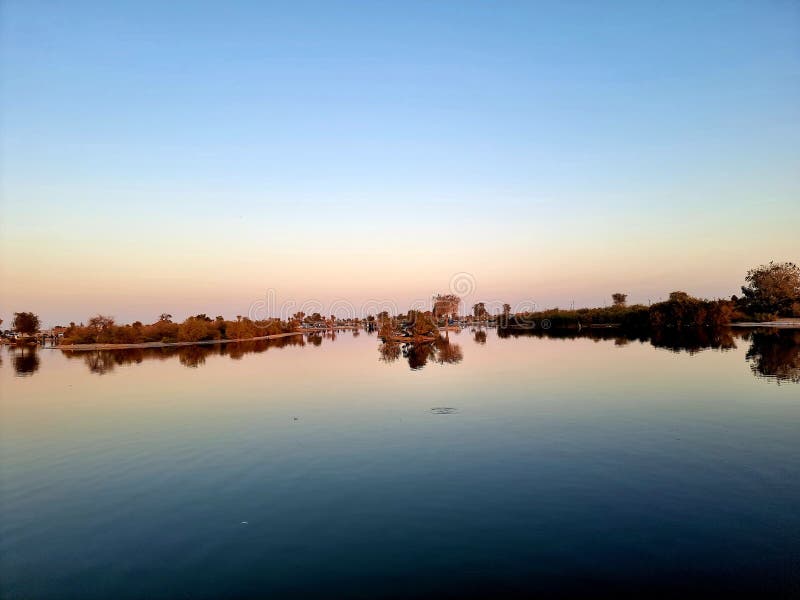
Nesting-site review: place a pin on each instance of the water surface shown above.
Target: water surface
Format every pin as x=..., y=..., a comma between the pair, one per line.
x=334, y=467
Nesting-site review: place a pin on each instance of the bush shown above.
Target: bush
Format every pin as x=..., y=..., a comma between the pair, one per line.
x=196, y=329
x=683, y=310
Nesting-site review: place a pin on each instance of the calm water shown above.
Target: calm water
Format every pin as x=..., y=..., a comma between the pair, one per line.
x=327, y=468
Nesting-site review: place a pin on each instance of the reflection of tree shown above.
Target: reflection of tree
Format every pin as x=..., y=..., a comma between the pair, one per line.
x=104, y=361
x=480, y=337
x=99, y=362
x=417, y=354
x=194, y=356
x=26, y=361
x=441, y=350
x=693, y=339
x=390, y=351
x=236, y=350
x=315, y=339
x=447, y=352
x=775, y=354
x=686, y=339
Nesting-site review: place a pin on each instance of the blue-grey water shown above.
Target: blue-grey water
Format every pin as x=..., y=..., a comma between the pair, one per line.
x=329, y=468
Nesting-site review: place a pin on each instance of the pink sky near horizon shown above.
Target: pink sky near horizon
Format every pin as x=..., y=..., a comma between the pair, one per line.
x=62, y=287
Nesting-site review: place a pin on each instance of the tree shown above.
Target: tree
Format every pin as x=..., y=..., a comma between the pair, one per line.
x=387, y=328
x=772, y=289
x=166, y=317
x=421, y=323
x=506, y=310
x=101, y=327
x=26, y=323
x=195, y=329
x=479, y=310
x=446, y=306
x=240, y=329
x=101, y=322
x=619, y=299
x=682, y=310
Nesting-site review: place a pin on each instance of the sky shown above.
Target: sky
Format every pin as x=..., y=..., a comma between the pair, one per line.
x=190, y=157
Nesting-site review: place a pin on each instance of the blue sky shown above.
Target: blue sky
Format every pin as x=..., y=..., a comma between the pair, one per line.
x=162, y=152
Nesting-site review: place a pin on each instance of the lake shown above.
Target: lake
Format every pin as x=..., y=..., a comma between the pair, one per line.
x=332, y=467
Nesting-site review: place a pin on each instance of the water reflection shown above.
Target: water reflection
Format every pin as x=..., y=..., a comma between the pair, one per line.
x=675, y=340
x=389, y=351
x=25, y=359
x=773, y=353
x=101, y=362
x=695, y=339
x=480, y=336
x=441, y=351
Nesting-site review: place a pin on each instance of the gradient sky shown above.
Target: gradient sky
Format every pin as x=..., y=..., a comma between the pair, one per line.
x=187, y=157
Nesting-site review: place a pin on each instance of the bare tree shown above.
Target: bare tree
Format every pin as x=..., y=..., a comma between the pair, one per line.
x=101, y=322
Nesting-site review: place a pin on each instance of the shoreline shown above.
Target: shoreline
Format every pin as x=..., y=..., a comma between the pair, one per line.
x=791, y=323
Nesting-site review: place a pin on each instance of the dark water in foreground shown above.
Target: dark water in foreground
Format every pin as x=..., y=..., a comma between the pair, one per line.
x=330, y=469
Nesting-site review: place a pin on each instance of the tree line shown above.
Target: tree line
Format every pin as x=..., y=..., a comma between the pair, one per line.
x=771, y=291
x=102, y=329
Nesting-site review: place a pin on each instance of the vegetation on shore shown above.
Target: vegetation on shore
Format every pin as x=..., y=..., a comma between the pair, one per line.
x=771, y=291
x=103, y=330
x=680, y=310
